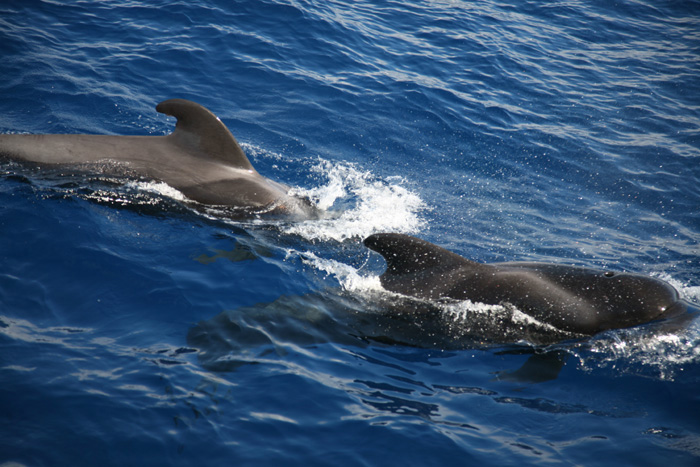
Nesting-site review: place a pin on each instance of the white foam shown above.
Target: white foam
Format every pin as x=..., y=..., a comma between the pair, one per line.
x=350, y=278
x=658, y=355
x=460, y=311
x=367, y=205
x=687, y=292
x=690, y=293
x=160, y=188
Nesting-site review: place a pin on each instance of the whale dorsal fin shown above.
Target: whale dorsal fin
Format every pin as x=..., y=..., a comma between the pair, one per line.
x=203, y=132
x=405, y=254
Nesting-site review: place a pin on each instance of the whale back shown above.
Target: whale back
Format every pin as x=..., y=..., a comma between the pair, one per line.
x=573, y=299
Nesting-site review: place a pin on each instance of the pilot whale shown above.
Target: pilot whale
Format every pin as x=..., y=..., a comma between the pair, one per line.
x=573, y=299
x=200, y=158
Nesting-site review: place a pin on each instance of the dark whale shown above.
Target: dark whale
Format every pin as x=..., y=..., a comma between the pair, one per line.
x=200, y=158
x=572, y=299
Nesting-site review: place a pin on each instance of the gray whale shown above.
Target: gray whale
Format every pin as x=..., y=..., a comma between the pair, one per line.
x=200, y=158
x=572, y=299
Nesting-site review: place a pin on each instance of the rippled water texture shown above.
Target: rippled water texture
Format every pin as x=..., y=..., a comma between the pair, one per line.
x=137, y=330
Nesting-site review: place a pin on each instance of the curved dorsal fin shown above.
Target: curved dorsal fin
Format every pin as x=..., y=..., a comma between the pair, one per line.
x=201, y=130
x=405, y=254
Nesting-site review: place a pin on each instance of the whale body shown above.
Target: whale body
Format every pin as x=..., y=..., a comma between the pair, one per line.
x=573, y=299
x=200, y=158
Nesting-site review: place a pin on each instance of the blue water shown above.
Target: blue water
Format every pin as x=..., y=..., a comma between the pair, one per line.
x=137, y=331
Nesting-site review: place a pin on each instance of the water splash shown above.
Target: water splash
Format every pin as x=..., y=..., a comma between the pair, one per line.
x=350, y=278
x=657, y=355
x=158, y=188
x=366, y=205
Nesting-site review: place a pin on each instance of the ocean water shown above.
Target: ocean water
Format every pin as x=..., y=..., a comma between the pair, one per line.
x=135, y=330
